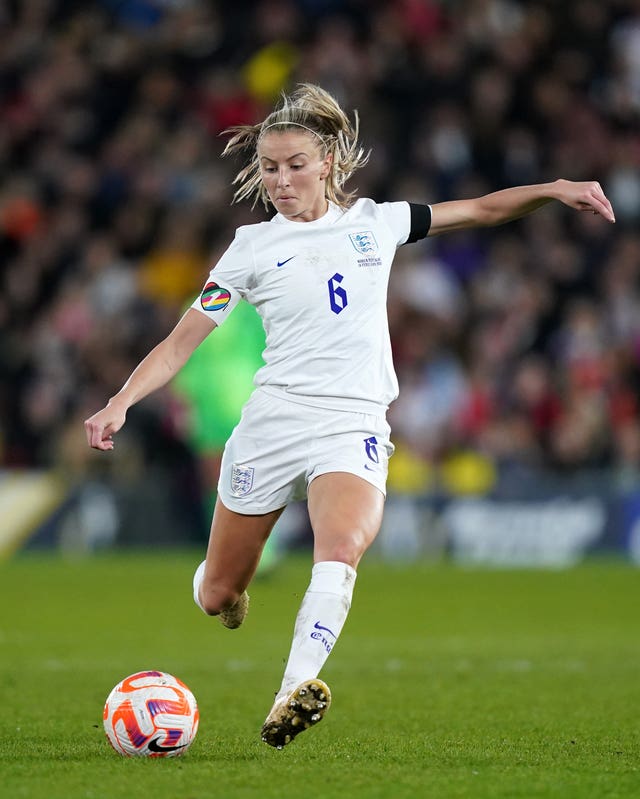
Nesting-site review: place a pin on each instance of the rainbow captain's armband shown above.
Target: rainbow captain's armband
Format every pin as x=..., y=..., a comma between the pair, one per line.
x=214, y=297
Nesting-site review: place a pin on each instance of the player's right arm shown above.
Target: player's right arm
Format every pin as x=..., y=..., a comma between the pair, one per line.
x=155, y=370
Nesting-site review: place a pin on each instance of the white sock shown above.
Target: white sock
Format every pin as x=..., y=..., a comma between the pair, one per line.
x=320, y=620
x=198, y=577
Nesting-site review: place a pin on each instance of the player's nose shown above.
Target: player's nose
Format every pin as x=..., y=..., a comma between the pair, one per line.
x=283, y=177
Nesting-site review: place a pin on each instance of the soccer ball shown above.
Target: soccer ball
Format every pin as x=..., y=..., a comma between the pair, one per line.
x=151, y=714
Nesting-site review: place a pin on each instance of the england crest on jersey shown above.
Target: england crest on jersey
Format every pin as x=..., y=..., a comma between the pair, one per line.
x=364, y=242
x=241, y=480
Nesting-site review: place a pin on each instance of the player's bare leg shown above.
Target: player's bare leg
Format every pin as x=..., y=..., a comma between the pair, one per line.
x=345, y=513
x=235, y=545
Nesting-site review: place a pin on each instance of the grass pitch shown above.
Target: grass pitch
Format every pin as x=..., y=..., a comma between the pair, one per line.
x=446, y=682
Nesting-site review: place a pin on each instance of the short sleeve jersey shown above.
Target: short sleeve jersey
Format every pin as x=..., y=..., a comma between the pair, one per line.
x=321, y=290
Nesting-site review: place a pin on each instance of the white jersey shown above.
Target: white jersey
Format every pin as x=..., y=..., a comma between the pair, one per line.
x=321, y=290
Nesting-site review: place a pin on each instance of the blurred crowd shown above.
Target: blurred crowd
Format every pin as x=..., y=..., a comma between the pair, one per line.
x=516, y=348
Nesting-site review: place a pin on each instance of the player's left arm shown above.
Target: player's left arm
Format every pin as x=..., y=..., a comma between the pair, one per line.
x=508, y=204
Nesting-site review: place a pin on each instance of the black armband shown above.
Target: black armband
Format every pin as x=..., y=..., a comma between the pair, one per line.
x=420, y=222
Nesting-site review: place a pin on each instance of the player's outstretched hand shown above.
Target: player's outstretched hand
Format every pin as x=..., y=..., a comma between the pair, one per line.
x=586, y=196
x=101, y=427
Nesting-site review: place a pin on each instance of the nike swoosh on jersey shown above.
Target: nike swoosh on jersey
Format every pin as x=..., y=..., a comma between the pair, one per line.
x=282, y=263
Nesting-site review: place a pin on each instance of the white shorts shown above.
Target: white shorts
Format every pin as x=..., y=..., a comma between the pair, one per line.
x=279, y=447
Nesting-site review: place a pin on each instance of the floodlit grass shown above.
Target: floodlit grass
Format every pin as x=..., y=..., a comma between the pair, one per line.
x=446, y=682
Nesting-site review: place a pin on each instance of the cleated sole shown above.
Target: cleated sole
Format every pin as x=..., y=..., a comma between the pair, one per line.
x=305, y=706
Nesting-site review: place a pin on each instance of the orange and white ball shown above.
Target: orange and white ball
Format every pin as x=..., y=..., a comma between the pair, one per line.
x=151, y=714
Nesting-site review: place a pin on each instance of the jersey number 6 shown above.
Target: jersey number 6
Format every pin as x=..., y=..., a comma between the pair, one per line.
x=337, y=295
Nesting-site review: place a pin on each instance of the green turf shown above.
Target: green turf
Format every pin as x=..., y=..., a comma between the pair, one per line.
x=446, y=683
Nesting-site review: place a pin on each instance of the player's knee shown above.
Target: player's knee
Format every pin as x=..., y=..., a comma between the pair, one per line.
x=216, y=598
x=348, y=549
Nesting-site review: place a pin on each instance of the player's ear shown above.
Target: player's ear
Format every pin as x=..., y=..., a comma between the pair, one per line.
x=326, y=166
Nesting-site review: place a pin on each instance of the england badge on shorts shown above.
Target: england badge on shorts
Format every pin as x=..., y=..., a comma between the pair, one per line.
x=241, y=480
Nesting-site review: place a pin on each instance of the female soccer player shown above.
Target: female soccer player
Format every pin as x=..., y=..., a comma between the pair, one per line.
x=315, y=426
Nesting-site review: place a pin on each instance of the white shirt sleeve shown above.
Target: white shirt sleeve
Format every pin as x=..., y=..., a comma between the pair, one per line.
x=228, y=282
x=397, y=215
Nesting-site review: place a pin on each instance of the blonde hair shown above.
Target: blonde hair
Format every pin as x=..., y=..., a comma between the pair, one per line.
x=313, y=109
